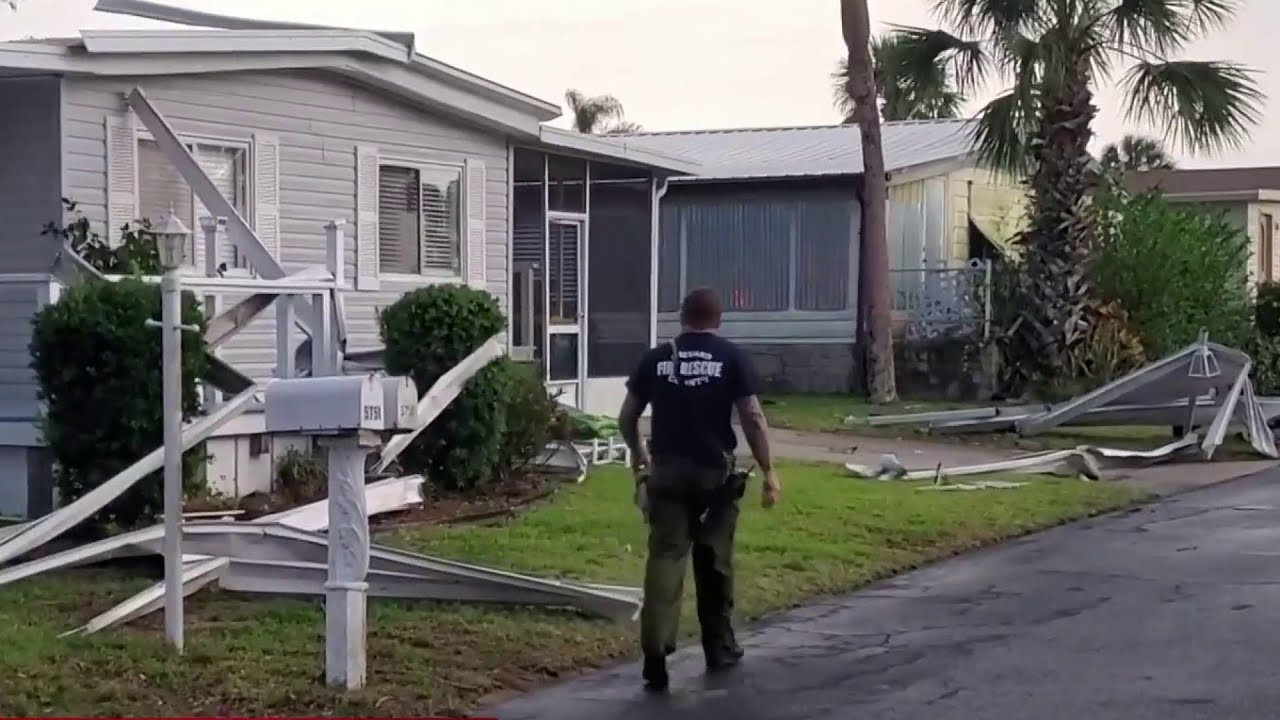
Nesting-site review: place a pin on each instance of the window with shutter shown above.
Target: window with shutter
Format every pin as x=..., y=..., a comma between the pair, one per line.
x=419, y=220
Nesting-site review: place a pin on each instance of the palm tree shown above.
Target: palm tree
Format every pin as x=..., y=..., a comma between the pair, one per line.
x=599, y=115
x=901, y=97
x=1051, y=53
x=1134, y=153
x=855, y=24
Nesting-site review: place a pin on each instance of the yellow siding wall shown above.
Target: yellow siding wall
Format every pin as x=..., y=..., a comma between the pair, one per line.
x=996, y=201
x=1254, y=225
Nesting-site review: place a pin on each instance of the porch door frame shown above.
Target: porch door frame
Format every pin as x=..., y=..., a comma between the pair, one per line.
x=576, y=388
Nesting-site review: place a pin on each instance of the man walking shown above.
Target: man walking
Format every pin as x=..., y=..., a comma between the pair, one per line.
x=689, y=490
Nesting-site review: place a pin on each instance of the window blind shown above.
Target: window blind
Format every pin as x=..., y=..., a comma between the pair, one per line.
x=441, y=228
x=399, y=209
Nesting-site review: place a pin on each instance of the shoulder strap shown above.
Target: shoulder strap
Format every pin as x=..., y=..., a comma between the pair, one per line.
x=672, y=376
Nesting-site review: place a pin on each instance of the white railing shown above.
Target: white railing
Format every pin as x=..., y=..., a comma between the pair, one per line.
x=941, y=301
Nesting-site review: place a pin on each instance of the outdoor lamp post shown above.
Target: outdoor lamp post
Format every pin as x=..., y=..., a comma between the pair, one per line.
x=171, y=241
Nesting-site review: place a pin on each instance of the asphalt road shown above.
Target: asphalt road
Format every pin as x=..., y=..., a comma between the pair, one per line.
x=1168, y=612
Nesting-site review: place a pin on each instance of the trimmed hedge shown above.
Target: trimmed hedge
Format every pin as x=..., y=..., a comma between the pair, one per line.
x=98, y=366
x=426, y=332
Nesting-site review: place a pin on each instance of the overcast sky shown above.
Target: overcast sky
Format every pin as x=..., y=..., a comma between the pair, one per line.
x=675, y=64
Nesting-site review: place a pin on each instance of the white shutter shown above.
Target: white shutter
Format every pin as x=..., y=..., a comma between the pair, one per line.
x=122, y=174
x=474, y=197
x=366, y=218
x=266, y=192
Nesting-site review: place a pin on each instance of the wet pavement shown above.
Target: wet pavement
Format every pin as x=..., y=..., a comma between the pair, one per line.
x=1170, y=611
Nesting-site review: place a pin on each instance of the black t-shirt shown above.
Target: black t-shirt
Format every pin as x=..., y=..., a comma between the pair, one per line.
x=693, y=410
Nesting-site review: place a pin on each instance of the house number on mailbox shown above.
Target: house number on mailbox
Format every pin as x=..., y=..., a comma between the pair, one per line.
x=373, y=413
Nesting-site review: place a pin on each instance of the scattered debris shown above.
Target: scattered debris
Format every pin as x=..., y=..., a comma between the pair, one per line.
x=1204, y=385
x=979, y=485
x=1086, y=461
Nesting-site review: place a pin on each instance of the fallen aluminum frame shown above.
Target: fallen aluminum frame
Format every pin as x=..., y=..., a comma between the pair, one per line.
x=37, y=532
x=1197, y=401
x=282, y=560
x=1201, y=363
x=563, y=456
x=443, y=391
x=383, y=496
x=997, y=417
x=1086, y=460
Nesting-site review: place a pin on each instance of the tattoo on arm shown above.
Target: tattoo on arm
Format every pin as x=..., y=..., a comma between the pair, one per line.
x=756, y=430
x=629, y=426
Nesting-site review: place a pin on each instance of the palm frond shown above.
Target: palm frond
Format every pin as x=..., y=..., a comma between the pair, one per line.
x=1018, y=57
x=1004, y=128
x=1202, y=106
x=919, y=52
x=1208, y=15
x=840, y=89
x=983, y=18
x=1147, y=25
x=1135, y=153
x=591, y=113
x=623, y=127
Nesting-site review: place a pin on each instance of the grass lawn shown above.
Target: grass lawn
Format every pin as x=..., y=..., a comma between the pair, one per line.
x=827, y=413
x=255, y=657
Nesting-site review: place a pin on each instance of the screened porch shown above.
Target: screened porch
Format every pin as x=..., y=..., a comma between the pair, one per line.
x=582, y=285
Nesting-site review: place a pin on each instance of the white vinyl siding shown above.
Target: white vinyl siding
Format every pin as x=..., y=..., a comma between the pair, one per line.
x=323, y=128
x=419, y=220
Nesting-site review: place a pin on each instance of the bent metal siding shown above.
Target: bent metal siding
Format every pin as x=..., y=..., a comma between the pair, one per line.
x=318, y=119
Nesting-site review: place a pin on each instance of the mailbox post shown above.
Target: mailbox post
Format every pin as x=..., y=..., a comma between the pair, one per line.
x=350, y=416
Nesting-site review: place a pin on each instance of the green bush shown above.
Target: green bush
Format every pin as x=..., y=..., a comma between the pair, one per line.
x=530, y=413
x=136, y=254
x=1175, y=269
x=426, y=332
x=301, y=477
x=98, y=366
x=1267, y=309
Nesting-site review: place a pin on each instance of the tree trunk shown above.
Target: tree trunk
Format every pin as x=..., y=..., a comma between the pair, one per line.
x=1059, y=310
x=874, y=259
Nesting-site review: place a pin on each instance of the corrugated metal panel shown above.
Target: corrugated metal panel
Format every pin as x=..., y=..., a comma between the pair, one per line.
x=801, y=151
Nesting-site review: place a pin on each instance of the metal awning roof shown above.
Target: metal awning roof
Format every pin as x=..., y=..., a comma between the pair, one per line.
x=790, y=152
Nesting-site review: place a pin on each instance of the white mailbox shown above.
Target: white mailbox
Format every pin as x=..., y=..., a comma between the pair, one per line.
x=326, y=405
x=401, y=401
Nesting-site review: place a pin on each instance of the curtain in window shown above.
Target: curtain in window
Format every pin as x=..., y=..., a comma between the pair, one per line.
x=226, y=167
x=161, y=188
x=741, y=249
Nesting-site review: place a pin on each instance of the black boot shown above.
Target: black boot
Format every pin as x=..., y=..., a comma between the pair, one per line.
x=721, y=654
x=655, y=674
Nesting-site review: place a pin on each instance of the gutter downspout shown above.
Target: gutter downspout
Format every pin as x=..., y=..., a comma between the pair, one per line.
x=660, y=185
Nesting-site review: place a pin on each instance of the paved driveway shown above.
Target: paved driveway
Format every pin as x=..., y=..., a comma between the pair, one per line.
x=1168, y=612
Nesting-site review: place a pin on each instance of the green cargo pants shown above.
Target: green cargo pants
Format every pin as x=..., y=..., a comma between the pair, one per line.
x=681, y=515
